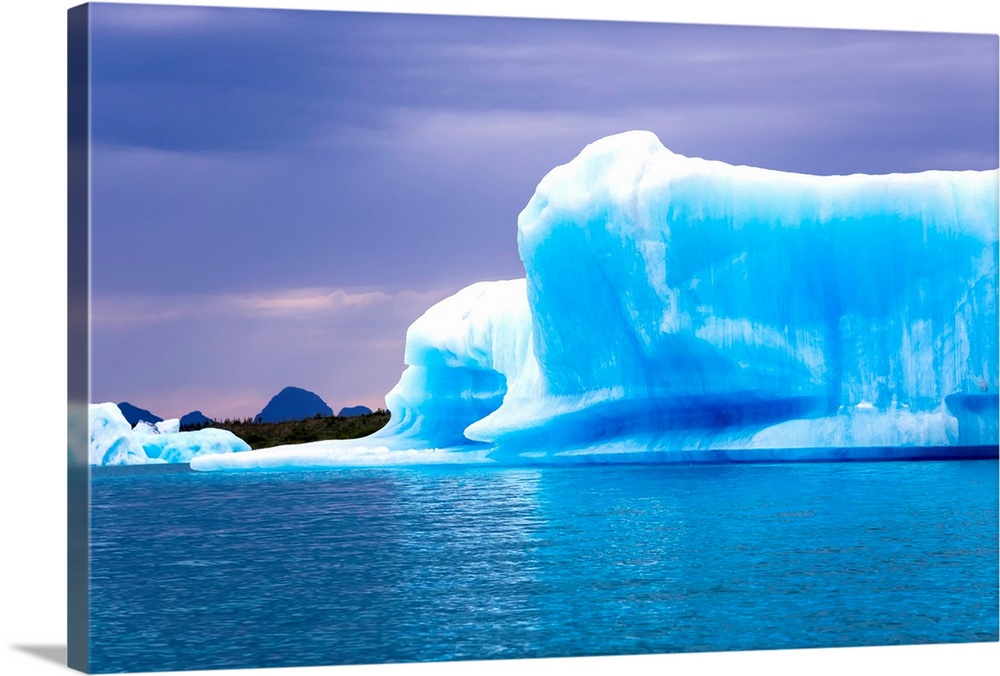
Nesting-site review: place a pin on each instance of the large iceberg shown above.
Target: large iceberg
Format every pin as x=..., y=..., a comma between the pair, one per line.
x=114, y=442
x=679, y=309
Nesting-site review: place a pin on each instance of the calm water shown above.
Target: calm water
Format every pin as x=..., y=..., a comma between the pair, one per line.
x=193, y=570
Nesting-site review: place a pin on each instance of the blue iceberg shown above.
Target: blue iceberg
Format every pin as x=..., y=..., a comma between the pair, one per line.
x=680, y=309
x=114, y=442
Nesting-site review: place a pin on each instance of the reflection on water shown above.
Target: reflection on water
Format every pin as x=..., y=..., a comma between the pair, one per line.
x=193, y=570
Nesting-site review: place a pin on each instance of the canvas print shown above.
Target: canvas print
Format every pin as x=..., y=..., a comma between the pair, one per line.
x=413, y=338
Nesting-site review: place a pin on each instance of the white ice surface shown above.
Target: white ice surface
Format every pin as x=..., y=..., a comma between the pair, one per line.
x=114, y=442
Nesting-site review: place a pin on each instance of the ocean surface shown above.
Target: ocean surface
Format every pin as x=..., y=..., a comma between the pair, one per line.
x=212, y=570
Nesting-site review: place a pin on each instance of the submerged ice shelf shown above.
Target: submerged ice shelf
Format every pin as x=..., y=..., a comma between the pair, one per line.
x=675, y=308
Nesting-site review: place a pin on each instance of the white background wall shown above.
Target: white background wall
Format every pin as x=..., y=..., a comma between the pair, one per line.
x=32, y=330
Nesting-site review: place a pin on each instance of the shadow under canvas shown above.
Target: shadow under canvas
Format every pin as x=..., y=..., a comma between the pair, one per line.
x=49, y=653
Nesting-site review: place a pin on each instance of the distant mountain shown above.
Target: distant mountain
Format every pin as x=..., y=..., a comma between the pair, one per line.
x=293, y=403
x=134, y=414
x=195, y=419
x=354, y=410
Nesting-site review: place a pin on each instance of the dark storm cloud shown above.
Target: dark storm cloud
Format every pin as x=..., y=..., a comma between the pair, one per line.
x=265, y=79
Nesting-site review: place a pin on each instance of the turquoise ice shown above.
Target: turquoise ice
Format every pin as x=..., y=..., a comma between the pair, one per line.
x=114, y=442
x=675, y=308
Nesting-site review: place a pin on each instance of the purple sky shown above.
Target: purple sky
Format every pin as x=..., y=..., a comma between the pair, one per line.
x=277, y=195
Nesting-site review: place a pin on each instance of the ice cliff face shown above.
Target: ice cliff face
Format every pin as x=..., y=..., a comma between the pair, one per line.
x=673, y=306
x=114, y=442
x=684, y=303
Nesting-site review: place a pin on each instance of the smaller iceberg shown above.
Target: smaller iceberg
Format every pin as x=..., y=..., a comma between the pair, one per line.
x=114, y=442
x=111, y=437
